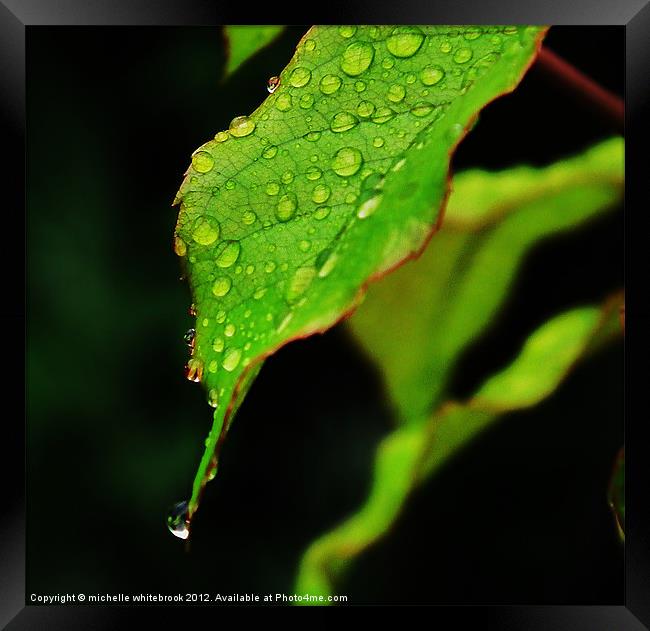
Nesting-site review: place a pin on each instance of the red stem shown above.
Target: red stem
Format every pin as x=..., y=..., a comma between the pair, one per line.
x=583, y=87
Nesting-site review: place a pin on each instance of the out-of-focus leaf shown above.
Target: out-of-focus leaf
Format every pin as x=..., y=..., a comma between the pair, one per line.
x=333, y=181
x=413, y=452
x=436, y=306
x=244, y=41
x=616, y=494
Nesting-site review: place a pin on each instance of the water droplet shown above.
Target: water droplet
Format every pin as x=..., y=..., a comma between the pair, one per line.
x=343, y=121
x=272, y=188
x=221, y=316
x=230, y=330
x=472, y=34
x=221, y=286
x=462, y=55
x=328, y=264
x=306, y=101
x=299, y=77
x=347, y=161
x=310, y=45
x=322, y=212
x=369, y=206
x=269, y=267
x=445, y=47
x=304, y=245
x=273, y=84
x=194, y=370
x=259, y=293
x=192, y=310
x=241, y=126
x=222, y=136
x=213, y=398
x=410, y=78
x=405, y=41
x=422, y=109
x=455, y=131
x=205, y=230
x=365, y=109
x=431, y=75
x=217, y=345
x=212, y=366
x=228, y=254
x=347, y=31
x=287, y=177
x=329, y=84
x=357, y=58
x=312, y=136
x=249, y=217
x=177, y=521
x=388, y=63
x=202, y=161
x=188, y=338
x=283, y=102
x=231, y=359
x=359, y=86
x=299, y=282
x=270, y=152
x=396, y=93
x=321, y=193
x=286, y=207
x=383, y=115
x=230, y=184
x=378, y=142
x=313, y=173
x=180, y=247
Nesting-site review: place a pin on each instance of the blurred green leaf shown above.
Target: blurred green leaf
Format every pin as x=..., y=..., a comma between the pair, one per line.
x=244, y=41
x=333, y=181
x=440, y=304
x=616, y=493
x=417, y=321
x=413, y=452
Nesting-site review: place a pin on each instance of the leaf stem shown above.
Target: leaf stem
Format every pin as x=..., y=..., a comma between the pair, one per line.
x=606, y=103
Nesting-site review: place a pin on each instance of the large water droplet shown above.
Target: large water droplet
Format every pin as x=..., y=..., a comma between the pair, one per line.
x=321, y=193
x=206, y=230
x=286, y=207
x=405, y=41
x=462, y=55
x=241, y=126
x=357, y=58
x=343, y=121
x=431, y=75
x=202, y=161
x=229, y=254
x=299, y=77
x=180, y=247
x=329, y=84
x=221, y=286
x=347, y=161
x=177, y=520
x=273, y=84
x=194, y=370
x=231, y=359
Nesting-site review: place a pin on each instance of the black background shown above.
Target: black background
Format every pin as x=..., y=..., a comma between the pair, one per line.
x=115, y=432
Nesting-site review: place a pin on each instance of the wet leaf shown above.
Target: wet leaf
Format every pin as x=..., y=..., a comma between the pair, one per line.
x=334, y=180
x=244, y=41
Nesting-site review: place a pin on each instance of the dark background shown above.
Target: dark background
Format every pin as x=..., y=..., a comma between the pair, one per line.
x=115, y=432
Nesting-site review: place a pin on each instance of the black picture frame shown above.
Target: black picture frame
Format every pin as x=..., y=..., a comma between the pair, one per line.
x=16, y=16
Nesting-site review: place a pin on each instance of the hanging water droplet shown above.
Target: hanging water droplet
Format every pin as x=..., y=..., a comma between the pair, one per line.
x=273, y=84
x=177, y=520
x=194, y=370
x=241, y=126
x=189, y=337
x=213, y=397
x=180, y=247
x=357, y=58
x=405, y=41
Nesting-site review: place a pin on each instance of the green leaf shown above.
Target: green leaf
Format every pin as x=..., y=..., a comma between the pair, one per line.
x=334, y=180
x=616, y=493
x=244, y=41
x=440, y=304
x=413, y=452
